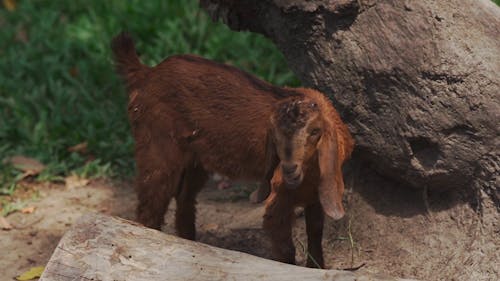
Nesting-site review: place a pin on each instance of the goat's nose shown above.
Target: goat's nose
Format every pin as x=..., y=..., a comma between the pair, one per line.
x=289, y=168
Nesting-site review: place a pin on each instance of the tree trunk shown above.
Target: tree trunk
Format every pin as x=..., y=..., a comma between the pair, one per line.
x=417, y=81
x=104, y=248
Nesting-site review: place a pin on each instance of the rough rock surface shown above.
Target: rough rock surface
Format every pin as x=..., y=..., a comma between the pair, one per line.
x=417, y=81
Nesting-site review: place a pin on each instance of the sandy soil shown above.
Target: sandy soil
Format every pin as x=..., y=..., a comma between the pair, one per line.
x=389, y=228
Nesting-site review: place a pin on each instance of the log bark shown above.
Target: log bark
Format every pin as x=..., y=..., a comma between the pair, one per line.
x=100, y=247
x=417, y=80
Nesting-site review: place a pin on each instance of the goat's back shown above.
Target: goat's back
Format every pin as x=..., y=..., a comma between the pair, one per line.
x=217, y=112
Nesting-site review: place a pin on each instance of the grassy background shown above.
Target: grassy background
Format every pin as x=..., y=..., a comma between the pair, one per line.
x=58, y=87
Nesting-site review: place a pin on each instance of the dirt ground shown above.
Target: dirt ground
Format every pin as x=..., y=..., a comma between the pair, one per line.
x=389, y=228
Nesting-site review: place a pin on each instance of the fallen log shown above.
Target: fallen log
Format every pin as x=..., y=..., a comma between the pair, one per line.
x=100, y=247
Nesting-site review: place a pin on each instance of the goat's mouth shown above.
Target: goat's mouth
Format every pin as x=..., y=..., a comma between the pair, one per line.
x=292, y=181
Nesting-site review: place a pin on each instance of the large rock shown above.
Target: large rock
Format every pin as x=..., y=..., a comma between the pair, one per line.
x=418, y=81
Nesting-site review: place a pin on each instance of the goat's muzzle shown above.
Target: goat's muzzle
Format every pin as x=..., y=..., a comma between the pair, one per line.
x=292, y=175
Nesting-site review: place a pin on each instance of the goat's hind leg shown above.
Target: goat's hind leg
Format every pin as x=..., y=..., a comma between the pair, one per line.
x=158, y=177
x=154, y=197
x=193, y=180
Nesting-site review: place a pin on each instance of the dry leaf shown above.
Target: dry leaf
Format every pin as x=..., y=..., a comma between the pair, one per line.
x=4, y=224
x=75, y=181
x=27, y=174
x=210, y=227
x=26, y=164
x=22, y=35
x=10, y=5
x=28, y=210
x=81, y=147
x=32, y=273
x=74, y=71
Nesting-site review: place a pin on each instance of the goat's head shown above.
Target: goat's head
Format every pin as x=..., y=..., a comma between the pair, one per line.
x=297, y=126
x=301, y=134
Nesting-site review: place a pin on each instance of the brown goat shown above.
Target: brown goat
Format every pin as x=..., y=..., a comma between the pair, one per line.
x=191, y=116
x=327, y=143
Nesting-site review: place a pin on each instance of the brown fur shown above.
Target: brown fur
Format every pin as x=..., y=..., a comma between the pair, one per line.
x=191, y=116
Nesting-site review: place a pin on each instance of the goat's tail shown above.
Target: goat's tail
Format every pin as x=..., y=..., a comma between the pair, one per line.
x=127, y=62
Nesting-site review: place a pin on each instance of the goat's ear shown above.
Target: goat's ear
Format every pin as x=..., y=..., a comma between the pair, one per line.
x=331, y=187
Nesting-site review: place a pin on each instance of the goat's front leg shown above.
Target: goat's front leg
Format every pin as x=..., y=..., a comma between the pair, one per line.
x=278, y=220
x=314, y=227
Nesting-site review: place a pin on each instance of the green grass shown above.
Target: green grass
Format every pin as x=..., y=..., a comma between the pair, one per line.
x=58, y=87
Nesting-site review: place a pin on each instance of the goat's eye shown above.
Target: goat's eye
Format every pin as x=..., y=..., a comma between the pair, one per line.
x=315, y=131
